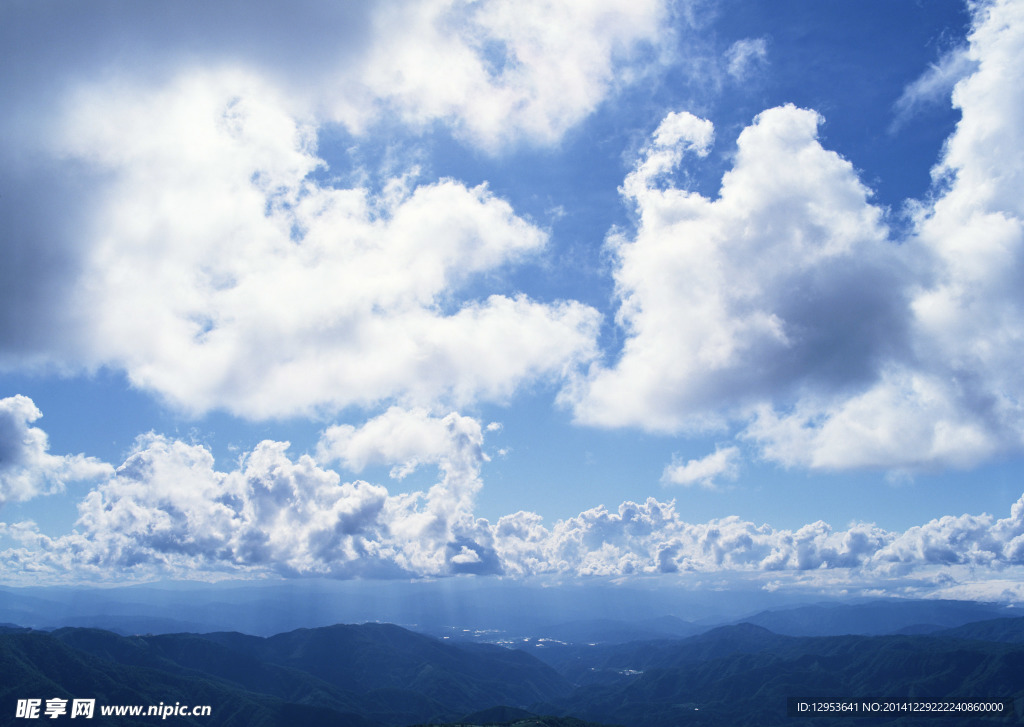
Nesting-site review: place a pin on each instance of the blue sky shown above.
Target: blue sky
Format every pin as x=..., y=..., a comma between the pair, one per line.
x=616, y=289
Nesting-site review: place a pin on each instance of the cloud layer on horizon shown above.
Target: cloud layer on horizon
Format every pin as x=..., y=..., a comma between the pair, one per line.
x=168, y=511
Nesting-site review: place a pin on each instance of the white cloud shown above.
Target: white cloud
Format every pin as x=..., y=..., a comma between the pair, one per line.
x=783, y=308
x=955, y=397
x=493, y=70
x=408, y=438
x=680, y=132
x=785, y=281
x=721, y=464
x=499, y=70
x=436, y=530
x=907, y=421
x=184, y=181
x=746, y=55
x=683, y=130
x=168, y=511
x=27, y=469
x=934, y=86
x=971, y=308
x=167, y=508
x=652, y=538
x=255, y=289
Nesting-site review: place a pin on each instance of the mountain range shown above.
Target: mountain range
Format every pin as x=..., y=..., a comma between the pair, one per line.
x=382, y=675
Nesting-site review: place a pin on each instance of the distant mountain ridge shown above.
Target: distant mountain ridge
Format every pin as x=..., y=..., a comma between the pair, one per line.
x=266, y=609
x=882, y=616
x=382, y=675
x=744, y=674
x=40, y=666
x=1003, y=630
x=372, y=674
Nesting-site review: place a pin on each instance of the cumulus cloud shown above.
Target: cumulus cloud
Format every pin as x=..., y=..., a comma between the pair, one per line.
x=27, y=469
x=785, y=281
x=169, y=511
x=723, y=463
x=970, y=311
x=409, y=438
x=278, y=515
x=186, y=181
x=493, y=70
x=502, y=69
x=908, y=421
x=438, y=526
x=168, y=508
x=255, y=289
x=957, y=396
x=783, y=308
x=652, y=538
